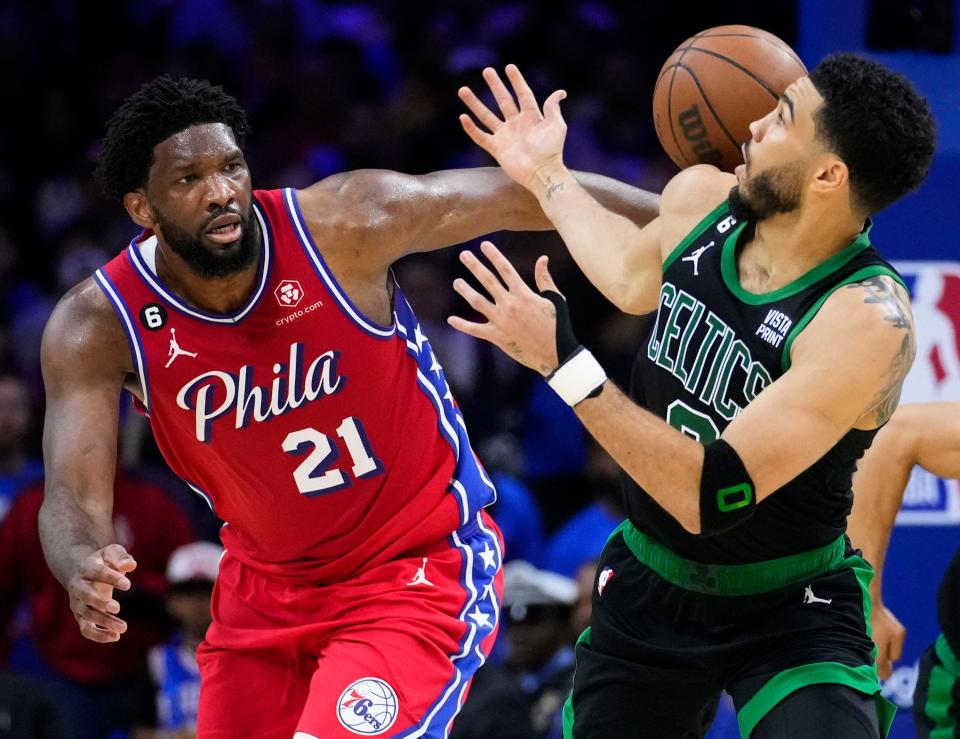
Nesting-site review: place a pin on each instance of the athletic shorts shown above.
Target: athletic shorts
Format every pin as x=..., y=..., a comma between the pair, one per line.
x=936, y=700
x=668, y=635
x=389, y=652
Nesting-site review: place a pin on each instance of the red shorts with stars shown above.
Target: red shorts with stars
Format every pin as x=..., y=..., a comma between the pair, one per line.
x=390, y=652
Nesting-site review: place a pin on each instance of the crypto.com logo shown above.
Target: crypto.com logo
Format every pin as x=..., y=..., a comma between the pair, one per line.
x=289, y=293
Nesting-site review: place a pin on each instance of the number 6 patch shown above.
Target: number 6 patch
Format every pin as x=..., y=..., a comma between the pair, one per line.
x=153, y=316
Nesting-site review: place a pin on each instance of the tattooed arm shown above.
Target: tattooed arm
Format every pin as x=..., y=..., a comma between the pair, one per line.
x=622, y=260
x=846, y=371
x=847, y=368
x=892, y=299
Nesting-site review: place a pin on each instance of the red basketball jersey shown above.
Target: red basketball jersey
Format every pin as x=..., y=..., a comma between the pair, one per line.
x=326, y=442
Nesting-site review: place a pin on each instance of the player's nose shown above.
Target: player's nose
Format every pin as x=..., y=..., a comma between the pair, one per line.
x=220, y=191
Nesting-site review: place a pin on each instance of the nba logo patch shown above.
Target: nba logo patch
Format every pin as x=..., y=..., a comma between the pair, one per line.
x=935, y=376
x=605, y=577
x=367, y=707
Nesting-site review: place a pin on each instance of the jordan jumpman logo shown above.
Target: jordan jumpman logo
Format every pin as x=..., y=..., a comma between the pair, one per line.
x=175, y=350
x=421, y=577
x=695, y=258
x=809, y=597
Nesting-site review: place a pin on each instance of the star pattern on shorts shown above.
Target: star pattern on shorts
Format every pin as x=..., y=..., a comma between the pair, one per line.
x=489, y=556
x=480, y=618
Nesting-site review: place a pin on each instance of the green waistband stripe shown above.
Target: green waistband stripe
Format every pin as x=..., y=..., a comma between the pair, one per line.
x=950, y=662
x=746, y=579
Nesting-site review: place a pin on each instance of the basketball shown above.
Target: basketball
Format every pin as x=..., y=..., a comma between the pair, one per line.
x=713, y=86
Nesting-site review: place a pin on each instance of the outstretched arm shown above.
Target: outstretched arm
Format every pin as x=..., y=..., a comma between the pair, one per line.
x=925, y=434
x=847, y=369
x=85, y=361
x=385, y=215
x=621, y=259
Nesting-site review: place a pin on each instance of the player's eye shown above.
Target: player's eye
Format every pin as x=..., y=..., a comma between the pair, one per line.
x=232, y=167
x=187, y=179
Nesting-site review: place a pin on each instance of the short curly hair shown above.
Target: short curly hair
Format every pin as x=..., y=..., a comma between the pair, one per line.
x=876, y=121
x=160, y=108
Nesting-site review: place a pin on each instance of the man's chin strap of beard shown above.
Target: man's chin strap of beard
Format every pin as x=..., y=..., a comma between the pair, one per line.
x=579, y=375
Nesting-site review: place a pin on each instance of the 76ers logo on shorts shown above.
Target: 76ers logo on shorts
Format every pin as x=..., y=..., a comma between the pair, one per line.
x=368, y=706
x=289, y=293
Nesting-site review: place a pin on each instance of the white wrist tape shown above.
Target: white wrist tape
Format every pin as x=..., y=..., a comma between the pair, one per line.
x=578, y=377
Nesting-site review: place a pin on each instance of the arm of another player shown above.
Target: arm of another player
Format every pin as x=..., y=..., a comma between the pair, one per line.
x=928, y=435
x=847, y=369
x=381, y=215
x=621, y=259
x=85, y=360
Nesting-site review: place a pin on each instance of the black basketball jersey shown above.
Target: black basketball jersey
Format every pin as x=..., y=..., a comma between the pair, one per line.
x=711, y=350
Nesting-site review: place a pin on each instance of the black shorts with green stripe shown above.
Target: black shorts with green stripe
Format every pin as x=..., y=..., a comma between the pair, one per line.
x=936, y=700
x=668, y=635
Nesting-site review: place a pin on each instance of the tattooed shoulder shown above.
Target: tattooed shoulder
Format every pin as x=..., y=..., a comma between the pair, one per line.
x=893, y=300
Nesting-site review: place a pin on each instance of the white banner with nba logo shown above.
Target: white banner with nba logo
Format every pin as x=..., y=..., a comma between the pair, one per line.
x=935, y=376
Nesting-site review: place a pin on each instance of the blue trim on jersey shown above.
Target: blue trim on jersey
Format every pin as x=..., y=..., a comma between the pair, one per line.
x=470, y=483
x=207, y=499
x=133, y=339
x=477, y=579
x=168, y=296
x=323, y=271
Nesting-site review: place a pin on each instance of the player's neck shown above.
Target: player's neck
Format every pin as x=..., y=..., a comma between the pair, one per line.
x=788, y=245
x=214, y=295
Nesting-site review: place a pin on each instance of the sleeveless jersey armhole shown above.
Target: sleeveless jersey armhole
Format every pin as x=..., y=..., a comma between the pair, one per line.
x=875, y=270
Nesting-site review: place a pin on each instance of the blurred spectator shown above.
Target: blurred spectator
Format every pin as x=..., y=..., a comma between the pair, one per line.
x=26, y=710
x=582, y=537
x=97, y=686
x=518, y=516
x=538, y=607
x=17, y=469
x=496, y=706
x=583, y=608
x=191, y=572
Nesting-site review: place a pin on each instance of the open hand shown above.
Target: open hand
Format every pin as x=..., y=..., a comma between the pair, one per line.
x=519, y=321
x=91, y=592
x=524, y=141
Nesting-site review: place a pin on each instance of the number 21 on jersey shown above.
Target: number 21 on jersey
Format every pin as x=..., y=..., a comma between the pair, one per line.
x=313, y=476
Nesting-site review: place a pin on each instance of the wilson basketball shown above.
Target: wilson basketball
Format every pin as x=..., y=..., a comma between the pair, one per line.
x=713, y=86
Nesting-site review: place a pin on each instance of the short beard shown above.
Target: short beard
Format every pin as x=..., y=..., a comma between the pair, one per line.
x=770, y=193
x=210, y=265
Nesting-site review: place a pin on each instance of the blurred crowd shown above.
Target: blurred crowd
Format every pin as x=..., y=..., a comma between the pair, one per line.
x=328, y=87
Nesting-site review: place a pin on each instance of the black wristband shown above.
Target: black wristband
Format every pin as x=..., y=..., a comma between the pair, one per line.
x=567, y=343
x=727, y=496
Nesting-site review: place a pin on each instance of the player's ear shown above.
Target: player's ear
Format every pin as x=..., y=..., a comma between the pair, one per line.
x=136, y=204
x=830, y=174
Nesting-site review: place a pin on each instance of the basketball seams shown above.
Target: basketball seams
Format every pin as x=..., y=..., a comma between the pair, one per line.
x=706, y=100
x=732, y=63
x=757, y=55
x=780, y=46
x=673, y=77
